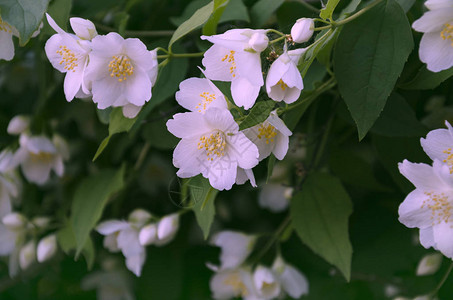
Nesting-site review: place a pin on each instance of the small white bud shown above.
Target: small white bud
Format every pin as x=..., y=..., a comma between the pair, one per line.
x=259, y=41
x=83, y=28
x=40, y=222
x=302, y=30
x=18, y=124
x=429, y=264
x=14, y=221
x=27, y=255
x=139, y=217
x=167, y=228
x=47, y=247
x=148, y=235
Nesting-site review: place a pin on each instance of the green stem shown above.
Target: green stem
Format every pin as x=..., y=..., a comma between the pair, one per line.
x=357, y=14
x=170, y=55
x=276, y=31
x=322, y=144
x=278, y=39
x=142, y=156
x=322, y=28
x=442, y=281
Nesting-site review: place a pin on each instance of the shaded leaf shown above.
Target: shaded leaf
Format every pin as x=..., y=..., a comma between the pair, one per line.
x=210, y=28
x=258, y=114
x=427, y=80
x=326, y=12
x=262, y=10
x=67, y=242
x=203, y=197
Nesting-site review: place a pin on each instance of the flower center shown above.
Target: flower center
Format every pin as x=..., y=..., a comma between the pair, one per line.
x=207, y=98
x=41, y=157
x=268, y=132
x=447, y=33
x=68, y=58
x=282, y=84
x=230, y=59
x=214, y=144
x=449, y=159
x=236, y=283
x=120, y=67
x=4, y=26
x=440, y=207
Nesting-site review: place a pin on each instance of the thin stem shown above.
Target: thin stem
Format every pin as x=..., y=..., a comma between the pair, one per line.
x=442, y=281
x=162, y=49
x=276, y=31
x=142, y=156
x=322, y=144
x=357, y=14
x=321, y=20
x=309, y=6
x=278, y=39
x=322, y=28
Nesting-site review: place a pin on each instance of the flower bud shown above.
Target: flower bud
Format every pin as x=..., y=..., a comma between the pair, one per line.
x=259, y=41
x=40, y=222
x=83, y=28
x=14, y=221
x=47, y=247
x=429, y=264
x=139, y=217
x=302, y=30
x=266, y=283
x=18, y=124
x=148, y=235
x=167, y=228
x=27, y=255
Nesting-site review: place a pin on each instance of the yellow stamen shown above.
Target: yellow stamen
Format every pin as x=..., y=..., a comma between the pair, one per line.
x=268, y=132
x=449, y=159
x=120, y=67
x=41, y=157
x=207, y=98
x=282, y=84
x=440, y=207
x=68, y=58
x=229, y=58
x=214, y=144
x=234, y=280
x=447, y=33
x=5, y=26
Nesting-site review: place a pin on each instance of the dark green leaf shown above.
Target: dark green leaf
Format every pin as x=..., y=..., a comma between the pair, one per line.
x=369, y=56
x=258, y=114
x=67, y=242
x=270, y=166
x=104, y=115
x=326, y=12
x=406, y=4
x=157, y=135
x=319, y=214
x=210, y=28
x=90, y=199
x=309, y=56
x=59, y=11
x=203, y=197
x=293, y=116
x=262, y=10
x=24, y=15
x=427, y=80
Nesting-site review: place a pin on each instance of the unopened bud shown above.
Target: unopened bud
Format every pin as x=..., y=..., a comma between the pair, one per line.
x=83, y=28
x=40, y=222
x=167, y=228
x=148, y=235
x=259, y=41
x=429, y=264
x=18, y=124
x=47, y=247
x=302, y=30
x=14, y=221
x=27, y=255
x=139, y=217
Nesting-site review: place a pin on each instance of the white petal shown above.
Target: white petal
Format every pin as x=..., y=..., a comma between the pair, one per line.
x=413, y=212
x=18, y=124
x=198, y=94
x=443, y=236
x=243, y=176
x=421, y=175
x=73, y=83
x=235, y=248
x=436, y=142
x=188, y=158
x=215, y=60
x=275, y=73
x=37, y=172
x=138, y=53
x=6, y=45
x=186, y=125
x=438, y=4
x=281, y=146
x=106, y=92
x=436, y=52
x=83, y=28
x=266, y=282
x=294, y=283
x=138, y=88
x=221, y=173
x=292, y=77
x=148, y=235
x=221, y=119
x=128, y=242
x=427, y=238
x=135, y=263
x=433, y=21
x=167, y=228
x=248, y=65
x=429, y=264
x=109, y=227
x=47, y=247
x=278, y=123
x=243, y=150
x=53, y=24
x=243, y=92
x=131, y=111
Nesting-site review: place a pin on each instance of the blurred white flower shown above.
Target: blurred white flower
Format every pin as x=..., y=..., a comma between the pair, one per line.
x=148, y=234
x=439, y=145
x=243, y=175
x=284, y=81
x=109, y=285
x=302, y=30
x=12, y=238
x=6, y=39
x=68, y=54
x=275, y=197
x=122, y=73
x=235, y=247
x=235, y=57
x=231, y=283
x=271, y=136
x=27, y=255
x=38, y=155
x=266, y=283
x=292, y=281
x=436, y=44
x=47, y=247
x=167, y=228
x=18, y=125
x=9, y=182
x=429, y=264
x=211, y=145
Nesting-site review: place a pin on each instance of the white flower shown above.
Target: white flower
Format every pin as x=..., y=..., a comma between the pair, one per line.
x=429, y=206
x=244, y=175
x=235, y=57
x=18, y=125
x=6, y=41
x=439, y=145
x=436, y=45
x=302, y=30
x=211, y=145
x=197, y=94
x=148, y=235
x=12, y=237
x=275, y=197
x=283, y=81
x=37, y=155
x=266, y=283
x=167, y=228
x=122, y=73
x=27, y=255
x=69, y=54
x=235, y=248
x=9, y=182
x=109, y=285
x=15, y=221
x=231, y=283
x=271, y=136
x=47, y=247
x=429, y=264
x=292, y=281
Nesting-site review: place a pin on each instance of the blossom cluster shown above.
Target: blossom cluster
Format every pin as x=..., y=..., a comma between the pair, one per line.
x=113, y=71
x=430, y=206
x=235, y=278
x=211, y=142
x=131, y=236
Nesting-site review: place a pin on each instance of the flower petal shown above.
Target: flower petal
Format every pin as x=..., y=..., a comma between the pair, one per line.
x=243, y=92
x=111, y=226
x=6, y=45
x=215, y=60
x=436, y=52
x=186, y=125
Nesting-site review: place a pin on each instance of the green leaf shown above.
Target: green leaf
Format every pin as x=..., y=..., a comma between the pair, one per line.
x=262, y=10
x=427, y=80
x=309, y=56
x=90, y=198
x=210, y=28
x=270, y=166
x=203, y=197
x=24, y=15
x=157, y=135
x=406, y=4
x=326, y=12
x=398, y=119
x=67, y=242
x=198, y=18
x=293, y=116
x=258, y=114
x=369, y=56
x=104, y=115
x=59, y=11
x=319, y=214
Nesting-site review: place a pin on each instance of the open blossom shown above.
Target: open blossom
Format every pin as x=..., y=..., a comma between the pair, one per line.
x=292, y=281
x=38, y=155
x=235, y=248
x=439, y=145
x=275, y=197
x=232, y=283
x=266, y=283
x=429, y=206
x=436, y=45
x=235, y=57
x=212, y=145
x=6, y=39
x=68, y=53
x=271, y=136
x=283, y=81
x=122, y=73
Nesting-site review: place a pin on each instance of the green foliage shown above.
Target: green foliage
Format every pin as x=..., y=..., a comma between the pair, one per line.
x=326, y=12
x=24, y=15
x=319, y=214
x=369, y=56
x=258, y=114
x=202, y=197
x=90, y=198
x=426, y=80
x=262, y=10
x=210, y=28
x=67, y=241
x=59, y=11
